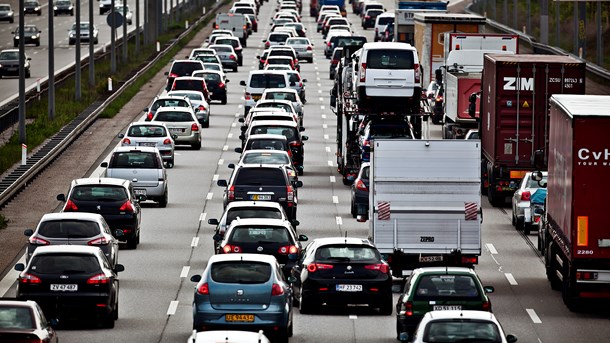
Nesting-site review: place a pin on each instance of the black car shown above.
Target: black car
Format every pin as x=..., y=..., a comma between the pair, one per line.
x=9, y=63
x=24, y=321
x=114, y=199
x=216, y=84
x=63, y=7
x=31, y=35
x=260, y=182
x=342, y=271
x=360, y=192
x=341, y=41
x=334, y=61
x=181, y=68
x=67, y=281
x=32, y=7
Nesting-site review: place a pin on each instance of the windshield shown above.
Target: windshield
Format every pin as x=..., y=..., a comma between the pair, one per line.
x=9, y=55
x=64, y=264
x=390, y=59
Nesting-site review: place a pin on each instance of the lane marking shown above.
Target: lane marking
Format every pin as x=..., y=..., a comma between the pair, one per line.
x=209, y=196
x=335, y=199
x=511, y=279
x=326, y=137
x=321, y=99
x=225, y=148
x=236, y=115
x=339, y=220
x=322, y=107
x=316, y=67
x=185, y=271
x=320, y=91
x=353, y=316
x=330, y=163
x=533, y=315
x=240, y=106
x=221, y=161
x=491, y=249
x=233, y=124
x=202, y=216
x=195, y=242
x=324, y=126
x=327, y=149
x=173, y=306
x=230, y=135
x=319, y=84
x=332, y=178
x=324, y=115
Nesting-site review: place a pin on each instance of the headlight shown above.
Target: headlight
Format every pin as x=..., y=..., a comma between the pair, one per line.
x=35, y=37
x=55, y=8
x=72, y=34
x=36, y=9
x=16, y=37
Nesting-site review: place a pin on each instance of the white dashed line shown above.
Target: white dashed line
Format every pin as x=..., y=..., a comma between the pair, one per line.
x=335, y=199
x=319, y=84
x=202, y=216
x=185, y=271
x=233, y=124
x=173, y=306
x=240, y=106
x=321, y=99
x=195, y=242
x=316, y=68
x=327, y=149
x=324, y=116
x=332, y=178
x=225, y=148
x=491, y=248
x=319, y=91
x=330, y=163
x=353, y=316
x=209, y=196
x=230, y=135
x=339, y=220
x=533, y=315
x=511, y=279
x=221, y=161
x=322, y=107
x=326, y=137
x=324, y=126
x=215, y=177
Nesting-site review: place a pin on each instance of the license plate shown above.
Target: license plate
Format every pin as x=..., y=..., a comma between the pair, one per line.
x=239, y=318
x=349, y=288
x=140, y=191
x=257, y=97
x=430, y=258
x=447, y=308
x=261, y=197
x=64, y=287
x=148, y=144
x=176, y=130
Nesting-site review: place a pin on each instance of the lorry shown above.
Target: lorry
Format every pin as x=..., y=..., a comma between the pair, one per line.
x=404, y=25
x=236, y=23
x=430, y=29
x=425, y=210
x=574, y=229
x=514, y=108
x=315, y=5
x=461, y=76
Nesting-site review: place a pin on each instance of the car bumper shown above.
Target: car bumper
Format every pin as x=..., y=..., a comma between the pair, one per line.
x=207, y=318
x=333, y=297
x=305, y=54
x=127, y=223
x=66, y=302
x=9, y=71
x=191, y=139
x=520, y=209
x=230, y=64
x=154, y=191
x=219, y=94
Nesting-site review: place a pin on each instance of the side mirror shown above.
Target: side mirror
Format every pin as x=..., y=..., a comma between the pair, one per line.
x=238, y=150
x=242, y=83
x=213, y=221
x=227, y=80
x=231, y=166
x=304, y=80
x=258, y=57
x=304, y=138
x=119, y=268
x=537, y=175
x=303, y=238
x=511, y=338
x=222, y=183
x=217, y=237
x=121, y=135
x=20, y=267
x=166, y=73
x=295, y=222
x=61, y=197
x=241, y=120
x=301, y=129
x=174, y=136
x=291, y=279
x=488, y=289
x=118, y=233
x=196, y=278
x=297, y=184
x=242, y=137
x=145, y=109
x=28, y=232
x=104, y=165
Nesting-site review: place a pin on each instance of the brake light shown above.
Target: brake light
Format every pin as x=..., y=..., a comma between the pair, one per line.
x=99, y=241
x=487, y=306
x=126, y=207
x=231, y=193
x=406, y=309
x=167, y=141
x=417, y=74
x=366, y=142
x=362, y=72
x=526, y=196
x=194, y=127
x=99, y=279
x=309, y=48
x=295, y=144
x=232, y=57
x=276, y=289
x=201, y=108
x=221, y=85
x=289, y=195
x=248, y=96
x=150, y=116
x=328, y=44
x=227, y=249
x=367, y=17
x=313, y=267
x=173, y=75
x=361, y=186
x=267, y=44
x=288, y=249
x=29, y=279
x=70, y=206
x=382, y=267
x=439, y=98
x=203, y=289
x=470, y=260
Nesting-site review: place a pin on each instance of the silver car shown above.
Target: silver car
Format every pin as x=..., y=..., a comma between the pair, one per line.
x=200, y=106
x=84, y=33
x=143, y=166
x=521, y=200
x=6, y=13
x=182, y=122
x=285, y=94
x=153, y=135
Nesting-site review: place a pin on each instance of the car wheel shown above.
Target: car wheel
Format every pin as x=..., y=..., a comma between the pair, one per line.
x=15, y=44
x=196, y=146
x=306, y=305
x=163, y=200
x=115, y=312
x=132, y=243
x=235, y=69
x=72, y=13
x=514, y=219
x=526, y=229
x=95, y=41
x=224, y=100
x=206, y=124
x=387, y=307
x=520, y=224
x=353, y=210
x=55, y=14
x=11, y=21
x=281, y=337
x=38, y=43
x=27, y=74
x=101, y=12
x=375, y=39
x=108, y=321
x=170, y=163
x=300, y=172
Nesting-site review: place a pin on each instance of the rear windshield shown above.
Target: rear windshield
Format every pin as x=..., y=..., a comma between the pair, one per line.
x=134, y=160
x=222, y=48
x=338, y=21
x=399, y=131
x=253, y=212
x=385, y=20
x=299, y=42
x=268, y=81
x=278, y=37
x=285, y=61
x=260, y=234
x=340, y=41
x=281, y=52
x=267, y=144
x=374, y=12
x=260, y=177
x=211, y=77
x=242, y=10
x=16, y=317
x=272, y=117
x=346, y=252
x=266, y=158
x=185, y=68
x=240, y=272
x=389, y=59
x=191, y=96
x=64, y=264
x=279, y=105
x=169, y=103
x=288, y=132
x=205, y=59
x=281, y=96
x=174, y=116
x=98, y=193
x=212, y=66
x=68, y=229
x=191, y=85
x=458, y=330
x=146, y=131
x=446, y=286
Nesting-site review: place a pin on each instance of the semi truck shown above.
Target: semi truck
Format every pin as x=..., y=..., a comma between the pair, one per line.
x=404, y=25
x=514, y=120
x=425, y=210
x=574, y=230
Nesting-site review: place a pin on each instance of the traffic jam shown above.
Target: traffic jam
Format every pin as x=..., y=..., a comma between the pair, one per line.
x=416, y=141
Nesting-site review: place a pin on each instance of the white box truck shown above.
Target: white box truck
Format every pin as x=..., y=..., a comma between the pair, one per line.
x=235, y=23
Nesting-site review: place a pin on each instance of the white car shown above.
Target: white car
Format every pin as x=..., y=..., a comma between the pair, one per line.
x=459, y=326
x=521, y=200
x=289, y=94
x=227, y=336
x=258, y=81
x=84, y=33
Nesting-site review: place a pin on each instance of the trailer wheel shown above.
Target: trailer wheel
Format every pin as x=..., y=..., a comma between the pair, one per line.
x=567, y=293
x=550, y=267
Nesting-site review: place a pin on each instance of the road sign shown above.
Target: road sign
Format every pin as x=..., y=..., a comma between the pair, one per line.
x=118, y=19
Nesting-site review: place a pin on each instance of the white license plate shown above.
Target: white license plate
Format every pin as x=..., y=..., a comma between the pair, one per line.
x=64, y=287
x=140, y=191
x=148, y=144
x=349, y=288
x=447, y=308
x=260, y=197
x=430, y=258
x=176, y=130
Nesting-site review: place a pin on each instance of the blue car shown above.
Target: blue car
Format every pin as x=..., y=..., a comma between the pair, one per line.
x=243, y=292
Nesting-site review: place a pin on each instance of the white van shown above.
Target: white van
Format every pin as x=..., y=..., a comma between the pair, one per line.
x=380, y=23
x=388, y=78
x=258, y=81
x=235, y=23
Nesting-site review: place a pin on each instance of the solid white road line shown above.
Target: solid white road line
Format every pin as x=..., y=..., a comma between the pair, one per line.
x=533, y=315
x=185, y=271
x=209, y=196
x=335, y=199
x=173, y=306
x=202, y=216
x=339, y=220
x=195, y=242
x=491, y=248
x=511, y=279
x=332, y=178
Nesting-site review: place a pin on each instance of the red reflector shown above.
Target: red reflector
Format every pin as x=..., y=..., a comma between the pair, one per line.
x=486, y=306
x=100, y=305
x=126, y=140
x=277, y=289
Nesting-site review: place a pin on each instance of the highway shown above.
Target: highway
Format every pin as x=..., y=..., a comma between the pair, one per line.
x=156, y=294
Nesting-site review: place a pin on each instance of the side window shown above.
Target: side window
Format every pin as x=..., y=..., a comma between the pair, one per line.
x=40, y=315
x=104, y=260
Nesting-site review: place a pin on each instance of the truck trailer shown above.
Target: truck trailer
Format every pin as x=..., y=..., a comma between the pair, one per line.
x=404, y=24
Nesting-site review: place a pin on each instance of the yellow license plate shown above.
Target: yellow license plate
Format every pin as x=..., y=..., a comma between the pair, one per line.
x=239, y=318
x=517, y=174
x=256, y=97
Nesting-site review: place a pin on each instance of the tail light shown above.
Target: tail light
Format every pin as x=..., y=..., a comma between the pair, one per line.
x=227, y=249
x=167, y=141
x=173, y=75
x=203, y=289
x=361, y=186
x=486, y=306
x=38, y=241
x=367, y=17
x=301, y=84
x=366, y=142
x=232, y=57
x=216, y=26
x=245, y=27
x=439, y=98
x=99, y=241
x=536, y=219
x=99, y=279
x=289, y=195
x=267, y=44
x=406, y=309
x=417, y=73
x=288, y=249
x=221, y=85
x=29, y=279
x=231, y=193
x=363, y=72
x=248, y=96
x=149, y=116
x=201, y=108
x=127, y=140
x=70, y=206
x=328, y=44
x=295, y=144
x=194, y=127
x=309, y=48
x=526, y=196
x=382, y=267
x=313, y=267
x=470, y=260
x=126, y=207
x=276, y=289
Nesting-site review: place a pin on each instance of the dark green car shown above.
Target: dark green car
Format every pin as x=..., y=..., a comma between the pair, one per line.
x=438, y=289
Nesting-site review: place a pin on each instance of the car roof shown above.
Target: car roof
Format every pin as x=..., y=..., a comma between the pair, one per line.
x=266, y=136
x=12, y=302
x=242, y=257
x=280, y=90
x=147, y=123
x=100, y=181
x=274, y=122
x=269, y=204
x=72, y=249
x=260, y=221
x=470, y=314
x=135, y=149
x=71, y=215
x=342, y=240
x=441, y=270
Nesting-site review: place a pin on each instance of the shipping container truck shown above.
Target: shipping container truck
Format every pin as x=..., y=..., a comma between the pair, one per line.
x=575, y=233
x=430, y=29
x=404, y=25
x=514, y=121
x=425, y=202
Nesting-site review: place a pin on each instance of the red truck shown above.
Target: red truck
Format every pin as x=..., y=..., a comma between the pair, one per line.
x=514, y=100
x=574, y=233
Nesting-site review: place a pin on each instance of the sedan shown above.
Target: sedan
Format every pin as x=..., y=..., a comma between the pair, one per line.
x=32, y=7
x=31, y=35
x=153, y=135
x=342, y=271
x=522, y=216
x=360, y=192
x=24, y=321
x=63, y=7
x=243, y=292
x=7, y=13
x=9, y=63
x=84, y=34
x=181, y=122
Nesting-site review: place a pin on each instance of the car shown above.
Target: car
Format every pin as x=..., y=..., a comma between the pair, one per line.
x=114, y=199
x=322, y=17
x=124, y=8
x=142, y=165
x=334, y=61
x=200, y=105
x=262, y=58
x=256, y=281
x=32, y=7
x=105, y=6
x=266, y=142
x=63, y=7
x=342, y=271
x=71, y=280
x=281, y=60
x=459, y=326
x=369, y=18
x=285, y=51
x=381, y=21
x=431, y=90
x=258, y=81
x=214, y=336
x=369, y=5
x=166, y=101
x=300, y=28
x=7, y=13
x=329, y=47
x=201, y=51
x=74, y=228
x=84, y=34
x=254, y=21
x=31, y=35
x=24, y=321
x=297, y=83
x=276, y=38
x=386, y=128
x=191, y=83
x=289, y=94
x=206, y=59
x=228, y=57
x=272, y=114
x=213, y=66
x=216, y=82
x=235, y=43
x=331, y=22
x=360, y=192
x=184, y=68
x=439, y=288
x=302, y=46
x=9, y=63
x=520, y=202
x=183, y=123
x=156, y=135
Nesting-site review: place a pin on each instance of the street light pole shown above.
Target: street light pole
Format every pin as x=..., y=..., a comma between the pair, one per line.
x=91, y=50
x=21, y=74
x=51, y=66
x=77, y=75
x=112, y=41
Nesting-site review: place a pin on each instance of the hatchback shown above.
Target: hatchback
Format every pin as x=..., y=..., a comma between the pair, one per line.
x=381, y=21
x=166, y=101
x=268, y=105
x=235, y=43
x=267, y=142
x=439, y=289
x=74, y=228
x=243, y=292
x=191, y=83
x=289, y=94
x=144, y=167
x=522, y=216
x=181, y=122
x=24, y=321
x=71, y=280
x=258, y=81
x=31, y=35
x=114, y=199
x=369, y=19
x=216, y=82
x=155, y=135
x=32, y=7
x=297, y=83
x=227, y=55
x=7, y=13
x=183, y=68
x=360, y=192
x=200, y=106
x=303, y=48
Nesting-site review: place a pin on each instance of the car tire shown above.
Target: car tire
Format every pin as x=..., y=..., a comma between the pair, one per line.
x=514, y=219
x=526, y=229
x=15, y=44
x=163, y=200
x=306, y=306
x=38, y=43
x=282, y=337
x=375, y=39
x=520, y=224
x=28, y=74
x=235, y=69
x=115, y=312
x=95, y=41
x=387, y=306
x=224, y=100
x=170, y=163
x=11, y=21
x=108, y=321
x=101, y=12
x=132, y=243
x=353, y=210
x=72, y=13
x=206, y=124
x=196, y=146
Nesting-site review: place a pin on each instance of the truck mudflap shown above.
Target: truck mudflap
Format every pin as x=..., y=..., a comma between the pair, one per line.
x=402, y=264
